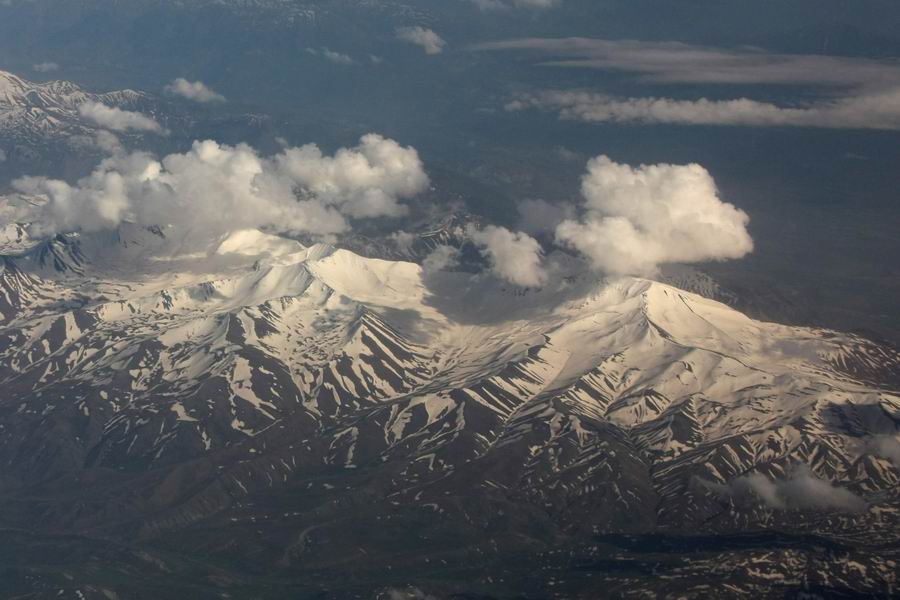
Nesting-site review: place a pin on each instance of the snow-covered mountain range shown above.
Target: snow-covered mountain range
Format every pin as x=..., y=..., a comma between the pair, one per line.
x=190, y=397
x=30, y=112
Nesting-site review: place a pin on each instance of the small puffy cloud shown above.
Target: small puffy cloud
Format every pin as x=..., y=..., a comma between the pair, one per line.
x=403, y=240
x=215, y=189
x=800, y=490
x=637, y=218
x=193, y=90
x=117, y=119
x=886, y=446
x=337, y=58
x=540, y=216
x=45, y=67
x=508, y=4
x=440, y=259
x=876, y=110
x=514, y=256
x=430, y=41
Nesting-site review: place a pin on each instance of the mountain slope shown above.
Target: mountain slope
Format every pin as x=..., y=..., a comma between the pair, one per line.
x=32, y=111
x=278, y=385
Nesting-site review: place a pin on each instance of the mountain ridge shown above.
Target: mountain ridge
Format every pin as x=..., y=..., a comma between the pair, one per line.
x=38, y=111
x=621, y=403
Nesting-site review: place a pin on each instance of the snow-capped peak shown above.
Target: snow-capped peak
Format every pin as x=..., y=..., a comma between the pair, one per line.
x=627, y=388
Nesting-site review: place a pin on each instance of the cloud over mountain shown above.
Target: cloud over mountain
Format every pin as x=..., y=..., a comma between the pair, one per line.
x=637, y=218
x=514, y=256
x=801, y=489
x=117, y=119
x=442, y=257
x=886, y=446
x=213, y=189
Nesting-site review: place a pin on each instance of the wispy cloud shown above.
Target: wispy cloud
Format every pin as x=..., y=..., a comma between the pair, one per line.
x=887, y=446
x=855, y=93
x=510, y=4
x=799, y=490
x=877, y=110
x=675, y=62
x=102, y=140
x=45, y=67
x=441, y=258
x=337, y=58
x=539, y=216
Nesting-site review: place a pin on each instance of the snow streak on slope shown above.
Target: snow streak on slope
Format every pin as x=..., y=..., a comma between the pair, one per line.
x=34, y=111
x=609, y=403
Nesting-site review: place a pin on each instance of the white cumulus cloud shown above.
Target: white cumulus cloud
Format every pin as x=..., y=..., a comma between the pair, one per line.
x=637, y=218
x=366, y=181
x=194, y=90
x=430, y=41
x=110, y=117
x=514, y=256
x=215, y=189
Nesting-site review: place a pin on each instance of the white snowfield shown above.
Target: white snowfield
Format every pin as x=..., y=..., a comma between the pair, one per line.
x=161, y=353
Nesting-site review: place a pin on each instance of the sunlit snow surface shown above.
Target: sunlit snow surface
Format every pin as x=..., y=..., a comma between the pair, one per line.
x=611, y=400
